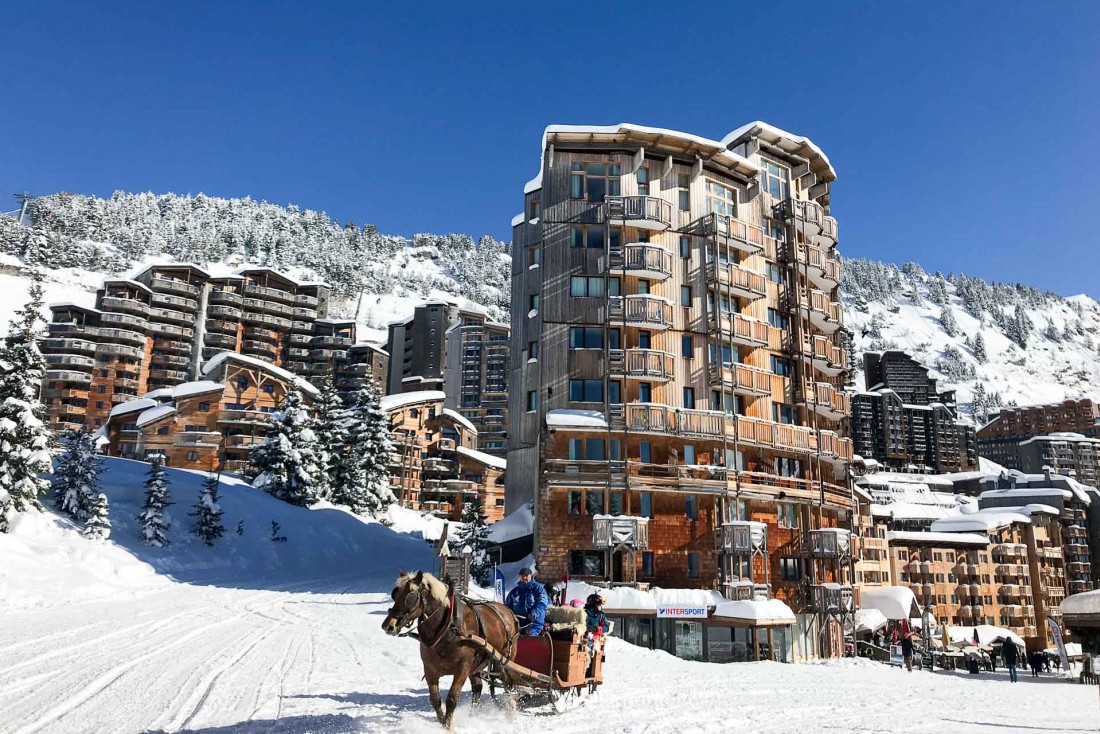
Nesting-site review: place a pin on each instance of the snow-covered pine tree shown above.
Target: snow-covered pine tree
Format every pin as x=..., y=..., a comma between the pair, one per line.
x=98, y=526
x=331, y=437
x=947, y=321
x=1020, y=326
x=24, y=438
x=980, y=355
x=287, y=461
x=365, y=485
x=979, y=403
x=154, y=526
x=208, y=514
x=76, y=475
x=475, y=534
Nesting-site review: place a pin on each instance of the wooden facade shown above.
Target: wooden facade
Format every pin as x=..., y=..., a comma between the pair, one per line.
x=686, y=305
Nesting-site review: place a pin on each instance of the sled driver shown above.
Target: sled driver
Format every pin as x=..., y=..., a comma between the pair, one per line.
x=528, y=601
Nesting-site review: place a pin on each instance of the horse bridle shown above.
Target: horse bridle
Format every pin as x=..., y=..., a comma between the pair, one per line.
x=409, y=618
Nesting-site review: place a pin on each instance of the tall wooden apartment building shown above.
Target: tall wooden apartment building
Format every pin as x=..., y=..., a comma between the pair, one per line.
x=676, y=410
x=999, y=438
x=156, y=329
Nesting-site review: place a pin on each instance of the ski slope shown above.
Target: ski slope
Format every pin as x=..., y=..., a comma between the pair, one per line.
x=254, y=636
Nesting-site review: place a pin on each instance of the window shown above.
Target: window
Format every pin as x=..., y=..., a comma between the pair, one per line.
x=645, y=452
x=162, y=431
x=615, y=450
x=775, y=273
x=689, y=397
x=693, y=565
x=773, y=179
x=192, y=428
x=99, y=403
x=643, y=235
x=593, y=181
x=685, y=247
x=532, y=350
x=689, y=454
x=642, y=177
x=575, y=502
x=685, y=296
x=242, y=382
x=103, y=373
x=533, y=302
x=779, y=320
x=614, y=391
x=614, y=338
x=586, y=391
x=532, y=400
x=645, y=392
x=782, y=366
x=192, y=455
x=937, y=556
x=782, y=413
x=683, y=183
x=788, y=467
x=102, y=389
x=647, y=564
x=686, y=347
x=204, y=407
x=615, y=503
x=787, y=514
x=591, y=287
x=644, y=339
x=593, y=502
x=586, y=563
x=691, y=507
x=721, y=199
x=533, y=209
x=269, y=389
x=646, y=504
x=727, y=355
x=643, y=286
x=790, y=569
x=592, y=236
x=534, y=255
x=591, y=449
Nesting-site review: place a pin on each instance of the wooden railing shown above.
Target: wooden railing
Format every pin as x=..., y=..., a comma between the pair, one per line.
x=818, y=258
x=739, y=277
x=649, y=258
x=723, y=225
x=611, y=532
x=639, y=208
x=743, y=329
x=647, y=310
x=643, y=363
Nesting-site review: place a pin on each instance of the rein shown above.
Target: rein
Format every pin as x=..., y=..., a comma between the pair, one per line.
x=413, y=617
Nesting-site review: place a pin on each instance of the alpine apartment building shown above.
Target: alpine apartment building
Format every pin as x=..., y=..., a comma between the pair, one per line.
x=676, y=410
x=998, y=439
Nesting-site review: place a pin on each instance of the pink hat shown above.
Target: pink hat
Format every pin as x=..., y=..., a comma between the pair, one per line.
x=575, y=603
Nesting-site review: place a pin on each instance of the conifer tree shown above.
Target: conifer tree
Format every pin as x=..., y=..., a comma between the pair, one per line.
x=24, y=438
x=154, y=526
x=287, y=462
x=365, y=481
x=76, y=476
x=331, y=437
x=208, y=514
x=979, y=349
x=947, y=321
x=98, y=526
x=475, y=534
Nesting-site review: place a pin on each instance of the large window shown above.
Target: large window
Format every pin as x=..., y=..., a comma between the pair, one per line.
x=646, y=503
x=614, y=392
x=586, y=563
x=686, y=348
x=586, y=391
x=586, y=449
x=787, y=514
x=782, y=413
x=689, y=397
x=591, y=287
x=645, y=392
x=585, y=337
x=683, y=185
x=592, y=236
x=643, y=181
x=645, y=452
x=532, y=400
x=647, y=564
x=773, y=179
x=593, y=181
x=779, y=319
x=721, y=199
x=788, y=467
x=782, y=366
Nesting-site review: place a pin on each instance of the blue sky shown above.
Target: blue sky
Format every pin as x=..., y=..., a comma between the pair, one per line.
x=965, y=135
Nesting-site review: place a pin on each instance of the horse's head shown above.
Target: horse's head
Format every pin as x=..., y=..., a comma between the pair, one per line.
x=408, y=601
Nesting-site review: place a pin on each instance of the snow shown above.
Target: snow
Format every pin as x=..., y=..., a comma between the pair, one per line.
x=931, y=537
x=196, y=388
x=461, y=419
x=759, y=126
x=300, y=383
x=390, y=403
x=569, y=417
x=133, y=406
x=519, y=524
x=155, y=414
x=768, y=611
x=1085, y=603
x=988, y=520
x=987, y=634
x=518, y=219
x=869, y=620
x=480, y=456
x=160, y=392
x=894, y=602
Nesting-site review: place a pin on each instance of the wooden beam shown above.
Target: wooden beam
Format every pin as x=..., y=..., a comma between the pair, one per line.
x=668, y=167
x=819, y=189
x=697, y=169
x=639, y=159
x=550, y=155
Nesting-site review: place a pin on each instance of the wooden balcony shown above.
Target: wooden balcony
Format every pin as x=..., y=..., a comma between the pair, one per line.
x=68, y=346
x=226, y=297
x=165, y=284
x=645, y=261
x=180, y=303
x=825, y=314
x=124, y=305
x=826, y=357
x=307, y=301
x=829, y=234
x=740, y=280
x=826, y=400
x=744, y=379
x=260, y=291
x=70, y=361
x=647, y=364
x=171, y=315
x=822, y=270
x=742, y=330
x=124, y=320
x=650, y=312
x=610, y=532
x=224, y=312
x=643, y=212
x=182, y=332
x=832, y=599
x=741, y=537
x=730, y=232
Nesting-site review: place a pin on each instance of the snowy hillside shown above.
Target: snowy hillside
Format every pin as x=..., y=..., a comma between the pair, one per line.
x=996, y=344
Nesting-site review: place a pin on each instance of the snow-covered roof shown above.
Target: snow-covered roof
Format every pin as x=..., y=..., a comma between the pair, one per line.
x=1027, y=492
x=155, y=414
x=142, y=270
x=801, y=144
x=368, y=345
x=895, y=602
x=519, y=218
x=160, y=392
x=128, y=281
x=481, y=457
x=988, y=520
x=196, y=388
x=932, y=537
x=571, y=418
x=390, y=403
x=767, y=611
x=459, y=418
x=987, y=634
x=335, y=322
x=299, y=383
x=69, y=304
x=132, y=406
x=1087, y=602
x=519, y=524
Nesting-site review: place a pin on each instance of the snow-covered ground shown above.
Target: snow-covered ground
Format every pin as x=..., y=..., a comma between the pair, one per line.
x=254, y=636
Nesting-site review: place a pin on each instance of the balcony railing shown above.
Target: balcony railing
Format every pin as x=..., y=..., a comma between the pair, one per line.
x=649, y=261
x=70, y=360
x=827, y=358
x=745, y=379
x=827, y=400
x=229, y=312
x=610, y=531
x=740, y=329
x=731, y=231
x=171, y=285
x=641, y=310
x=832, y=599
x=221, y=295
x=825, y=314
x=308, y=301
x=170, y=314
x=125, y=305
x=742, y=537
x=741, y=280
x=645, y=363
x=251, y=289
x=124, y=320
x=68, y=345
x=68, y=376
x=823, y=270
x=646, y=212
x=829, y=543
x=182, y=332
x=176, y=302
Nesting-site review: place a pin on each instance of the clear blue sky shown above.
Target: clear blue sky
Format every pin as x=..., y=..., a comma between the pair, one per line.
x=965, y=136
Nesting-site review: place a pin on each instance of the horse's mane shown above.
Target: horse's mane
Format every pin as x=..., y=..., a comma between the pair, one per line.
x=436, y=588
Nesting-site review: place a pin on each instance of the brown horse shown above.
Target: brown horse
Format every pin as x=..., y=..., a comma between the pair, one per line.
x=444, y=623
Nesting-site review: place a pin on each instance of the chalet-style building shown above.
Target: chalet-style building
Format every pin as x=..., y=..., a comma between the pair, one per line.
x=676, y=412
x=436, y=466
x=999, y=439
x=156, y=329
x=903, y=423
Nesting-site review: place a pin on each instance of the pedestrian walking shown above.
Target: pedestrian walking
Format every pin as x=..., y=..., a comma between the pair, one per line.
x=907, y=652
x=1009, y=654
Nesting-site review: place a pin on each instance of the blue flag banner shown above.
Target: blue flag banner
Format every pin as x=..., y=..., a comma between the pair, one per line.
x=1056, y=633
x=498, y=585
